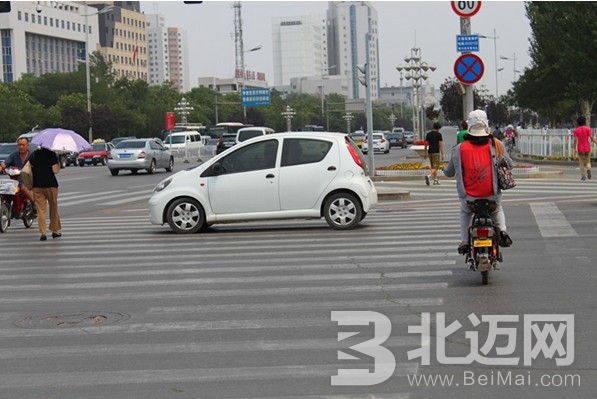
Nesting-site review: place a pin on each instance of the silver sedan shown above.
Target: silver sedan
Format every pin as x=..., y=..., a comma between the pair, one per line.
x=137, y=154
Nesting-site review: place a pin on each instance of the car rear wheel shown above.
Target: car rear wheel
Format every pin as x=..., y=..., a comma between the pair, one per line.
x=81, y=163
x=342, y=211
x=185, y=216
x=114, y=172
x=170, y=165
x=151, y=169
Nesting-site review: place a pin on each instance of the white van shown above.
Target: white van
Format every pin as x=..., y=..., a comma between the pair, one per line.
x=185, y=144
x=247, y=133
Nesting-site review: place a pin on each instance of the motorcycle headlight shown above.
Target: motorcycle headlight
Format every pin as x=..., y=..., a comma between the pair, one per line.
x=162, y=185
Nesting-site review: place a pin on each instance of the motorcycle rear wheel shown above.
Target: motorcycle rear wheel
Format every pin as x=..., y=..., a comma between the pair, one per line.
x=4, y=217
x=485, y=277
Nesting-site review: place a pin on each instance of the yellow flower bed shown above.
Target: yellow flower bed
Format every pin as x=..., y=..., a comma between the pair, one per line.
x=408, y=166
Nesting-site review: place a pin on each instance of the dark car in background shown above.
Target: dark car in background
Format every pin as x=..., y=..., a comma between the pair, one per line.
x=396, y=140
x=225, y=141
x=409, y=137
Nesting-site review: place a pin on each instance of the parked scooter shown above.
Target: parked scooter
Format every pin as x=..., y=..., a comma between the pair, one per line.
x=483, y=238
x=13, y=203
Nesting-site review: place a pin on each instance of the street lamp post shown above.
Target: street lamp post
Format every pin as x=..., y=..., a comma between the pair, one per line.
x=322, y=86
x=244, y=72
x=288, y=114
x=514, y=66
x=416, y=69
x=494, y=37
x=392, y=118
x=87, y=71
x=183, y=107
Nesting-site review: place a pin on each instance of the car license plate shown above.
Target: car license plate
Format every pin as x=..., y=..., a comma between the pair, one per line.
x=482, y=243
x=125, y=155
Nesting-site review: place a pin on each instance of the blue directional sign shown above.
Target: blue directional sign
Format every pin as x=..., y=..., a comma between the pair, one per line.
x=255, y=97
x=467, y=43
x=469, y=68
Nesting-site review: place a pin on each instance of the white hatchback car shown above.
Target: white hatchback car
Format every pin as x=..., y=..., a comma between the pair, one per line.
x=380, y=143
x=293, y=175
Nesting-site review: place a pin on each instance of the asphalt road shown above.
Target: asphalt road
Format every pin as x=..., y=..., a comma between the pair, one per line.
x=119, y=308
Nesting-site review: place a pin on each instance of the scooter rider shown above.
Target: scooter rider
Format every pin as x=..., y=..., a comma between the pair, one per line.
x=476, y=176
x=18, y=159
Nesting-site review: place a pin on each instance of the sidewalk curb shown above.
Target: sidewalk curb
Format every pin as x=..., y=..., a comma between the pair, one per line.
x=394, y=194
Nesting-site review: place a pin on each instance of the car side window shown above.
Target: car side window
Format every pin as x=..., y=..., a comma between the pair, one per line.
x=153, y=145
x=257, y=156
x=302, y=151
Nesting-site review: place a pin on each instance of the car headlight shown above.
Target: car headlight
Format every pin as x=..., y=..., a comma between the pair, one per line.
x=162, y=185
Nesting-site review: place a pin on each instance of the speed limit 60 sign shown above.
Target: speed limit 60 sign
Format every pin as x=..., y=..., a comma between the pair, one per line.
x=466, y=9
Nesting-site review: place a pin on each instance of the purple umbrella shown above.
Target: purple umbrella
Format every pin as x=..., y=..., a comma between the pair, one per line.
x=60, y=140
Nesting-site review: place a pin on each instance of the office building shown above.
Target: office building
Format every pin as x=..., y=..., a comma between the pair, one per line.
x=299, y=48
x=168, y=54
x=44, y=37
x=352, y=39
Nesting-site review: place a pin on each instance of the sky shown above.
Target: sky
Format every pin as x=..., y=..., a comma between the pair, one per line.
x=430, y=25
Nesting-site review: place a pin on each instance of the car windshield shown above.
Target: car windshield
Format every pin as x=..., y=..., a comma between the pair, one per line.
x=175, y=139
x=8, y=148
x=98, y=147
x=212, y=142
x=131, y=144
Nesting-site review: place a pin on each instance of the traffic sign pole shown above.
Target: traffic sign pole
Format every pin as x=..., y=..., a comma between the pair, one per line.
x=468, y=98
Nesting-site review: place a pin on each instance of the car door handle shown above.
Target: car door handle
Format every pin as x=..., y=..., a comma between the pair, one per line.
x=332, y=168
x=269, y=176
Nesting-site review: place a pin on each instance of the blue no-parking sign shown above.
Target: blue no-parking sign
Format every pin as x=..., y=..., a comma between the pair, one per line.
x=469, y=68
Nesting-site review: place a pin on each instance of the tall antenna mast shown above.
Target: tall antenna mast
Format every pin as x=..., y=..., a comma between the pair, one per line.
x=238, y=39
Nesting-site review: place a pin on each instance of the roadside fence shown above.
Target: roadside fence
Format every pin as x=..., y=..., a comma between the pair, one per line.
x=548, y=142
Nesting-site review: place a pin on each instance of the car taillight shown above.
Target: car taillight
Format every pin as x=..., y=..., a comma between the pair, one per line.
x=382, y=140
x=141, y=154
x=355, y=155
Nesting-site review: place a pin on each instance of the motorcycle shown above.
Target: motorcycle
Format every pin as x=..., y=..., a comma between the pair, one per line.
x=483, y=239
x=13, y=203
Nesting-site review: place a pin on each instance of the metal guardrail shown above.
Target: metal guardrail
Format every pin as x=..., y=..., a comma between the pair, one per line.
x=548, y=142
x=185, y=154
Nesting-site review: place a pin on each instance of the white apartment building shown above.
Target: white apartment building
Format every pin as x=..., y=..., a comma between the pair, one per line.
x=168, y=55
x=299, y=47
x=352, y=41
x=45, y=37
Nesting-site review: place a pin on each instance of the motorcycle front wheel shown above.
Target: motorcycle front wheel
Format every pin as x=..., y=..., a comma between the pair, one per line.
x=28, y=221
x=4, y=217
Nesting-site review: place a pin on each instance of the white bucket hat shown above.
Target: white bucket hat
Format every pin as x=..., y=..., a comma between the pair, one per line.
x=478, y=125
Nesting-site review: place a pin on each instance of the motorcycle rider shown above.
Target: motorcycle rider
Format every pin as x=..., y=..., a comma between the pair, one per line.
x=472, y=163
x=18, y=159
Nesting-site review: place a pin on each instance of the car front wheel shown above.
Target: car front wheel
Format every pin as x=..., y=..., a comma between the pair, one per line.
x=185, y=216
x=342, y=211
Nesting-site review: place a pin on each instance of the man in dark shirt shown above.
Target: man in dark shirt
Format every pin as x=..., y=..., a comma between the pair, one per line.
x=18, y=159
x=434, y=148
x=45, y=188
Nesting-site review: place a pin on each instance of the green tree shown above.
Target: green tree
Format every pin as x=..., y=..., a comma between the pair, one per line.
x=563, y=54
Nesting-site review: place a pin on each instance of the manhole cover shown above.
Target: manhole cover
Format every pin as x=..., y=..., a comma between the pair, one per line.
x=72, y=320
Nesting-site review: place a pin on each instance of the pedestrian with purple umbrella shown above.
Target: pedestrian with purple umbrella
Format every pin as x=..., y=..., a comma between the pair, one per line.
x=45, y=165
